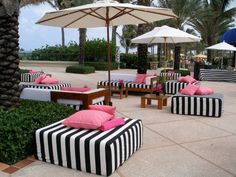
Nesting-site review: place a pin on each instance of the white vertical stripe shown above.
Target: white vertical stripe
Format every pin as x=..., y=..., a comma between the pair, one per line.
x=210, y=107
x=192, y=105
x=198, y=106
x=216, y=107
x=131, y=142
x=127, y=145
x=123, y=152
x=135, y=135
x=112, y=157
x=72, y=148
x=204, y=106
x=180, y=105
x=186, y=105
x=117, y=153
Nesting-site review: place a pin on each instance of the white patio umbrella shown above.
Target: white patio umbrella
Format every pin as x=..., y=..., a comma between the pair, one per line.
x=105, y=13
x=165, y=34
x=222, y=46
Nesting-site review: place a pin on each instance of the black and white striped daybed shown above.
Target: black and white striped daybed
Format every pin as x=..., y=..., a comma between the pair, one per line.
x=174, y=86
x=200, y=105
x=29, y=77
x=44, y=86
x=90, y=151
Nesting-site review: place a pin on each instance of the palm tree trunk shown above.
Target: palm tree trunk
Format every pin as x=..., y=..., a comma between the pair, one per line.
x=159, y=55
x=9, y=60
x=62, y=37
x=113, y=34
x=82, y=40
x=177, y=57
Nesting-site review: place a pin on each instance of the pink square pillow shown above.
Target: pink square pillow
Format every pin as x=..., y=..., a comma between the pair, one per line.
x=105, y=108
x=88, y=119
x=190, y=89
x=203, y=90
x=180, y=79
x=189, y=79
x=76, y=89
x=140, y=78
x=49, y=80
x=39, y=79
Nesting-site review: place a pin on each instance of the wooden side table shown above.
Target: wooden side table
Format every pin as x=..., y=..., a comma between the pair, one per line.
x=121, y=91
x=161, y=100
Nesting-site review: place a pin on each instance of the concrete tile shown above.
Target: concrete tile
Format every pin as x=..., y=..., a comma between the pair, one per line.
x=3, y=166
x=170, y=161
x=2, y=174
x=10, y=169
x=221, y=151
x=152, y=139
x=42, y=169
x=187, y=131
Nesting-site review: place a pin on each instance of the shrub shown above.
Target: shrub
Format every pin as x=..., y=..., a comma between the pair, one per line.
x=23, y=71
x=183, y=72
x=80, y=69
x=129, y=61
x=102, y=66
x=17, y=127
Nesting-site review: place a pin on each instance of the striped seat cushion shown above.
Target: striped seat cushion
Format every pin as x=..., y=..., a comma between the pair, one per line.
x=28, y=77
x=44, y=86
x=201, y=105
x=216, y=75
x=126, y=84
x=174, y=86
x=90, y=151
x=170, y=75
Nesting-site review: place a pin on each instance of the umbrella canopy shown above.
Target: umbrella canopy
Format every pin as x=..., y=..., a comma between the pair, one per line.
x=229, y=36
x=165, y=34
x=105, y=13
x=222, y=46
x=199, y=56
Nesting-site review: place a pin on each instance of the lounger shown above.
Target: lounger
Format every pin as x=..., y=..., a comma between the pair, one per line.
x=200, y=105
x=90, y=151
x=174, y=86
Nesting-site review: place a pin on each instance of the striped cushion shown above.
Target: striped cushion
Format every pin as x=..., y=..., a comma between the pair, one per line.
x=217, y=75
x=28, y=77
x=204, y=105
x=91, y=151
x=170, y=75
x=45, y=86
x=174, y=86
x=126, y=84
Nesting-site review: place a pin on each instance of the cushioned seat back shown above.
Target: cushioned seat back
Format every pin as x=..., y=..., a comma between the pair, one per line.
x=124, y=77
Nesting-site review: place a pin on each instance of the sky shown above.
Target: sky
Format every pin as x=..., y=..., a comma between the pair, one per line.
x=33, y=36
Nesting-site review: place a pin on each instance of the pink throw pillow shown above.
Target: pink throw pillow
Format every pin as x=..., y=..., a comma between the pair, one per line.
x=180, y=79
x=49, y=80
x=112, y=124
x=39, y=79
x=190, y=89
x=140, y=78
x=33, y=71
x=203, y=90
x=105, y=108
x=189, y=79
x=76, y=89
x=88, y=119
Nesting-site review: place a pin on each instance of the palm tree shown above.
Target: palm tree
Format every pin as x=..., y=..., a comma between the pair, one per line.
x=128, y=32
x=9, y=47
x=213, y=20
x=185, y=10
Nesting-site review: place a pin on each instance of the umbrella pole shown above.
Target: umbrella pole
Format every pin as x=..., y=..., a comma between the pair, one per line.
x=108, y=57
x=165, y=60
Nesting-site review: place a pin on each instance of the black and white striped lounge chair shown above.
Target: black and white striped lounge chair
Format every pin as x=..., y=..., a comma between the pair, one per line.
x=29, y=77
x=174, y=86
x=90, y=151
x=44, y=86
x=199, y=105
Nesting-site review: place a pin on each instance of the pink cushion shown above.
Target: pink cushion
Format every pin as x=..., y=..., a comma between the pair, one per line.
x=203, y=90
x=140, y=78
x=33, y=71
x=190, y=89
x=49, y=80
x=112, y=124
x=189, y=79
x=76, y=89
x=39, y=79
x=89, y=119
x=180, y=79
x=105, y=108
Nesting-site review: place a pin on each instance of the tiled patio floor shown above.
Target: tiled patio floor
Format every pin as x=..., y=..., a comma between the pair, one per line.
x=174, y=145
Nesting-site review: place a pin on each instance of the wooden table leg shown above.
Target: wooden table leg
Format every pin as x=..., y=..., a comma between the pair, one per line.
x=159, y=103
x=121, y=94
x=126, y=93
x=149, y=101
x=165, y=102
x=143, y=102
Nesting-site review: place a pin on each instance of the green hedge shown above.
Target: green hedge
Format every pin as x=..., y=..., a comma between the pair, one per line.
x=80, y=69
x=102, y=66
x=17, y=127
x=23, y=71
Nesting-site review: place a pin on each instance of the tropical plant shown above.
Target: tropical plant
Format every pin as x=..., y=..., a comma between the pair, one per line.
x=9, y=46
x=128, y=32
x=213, y=20
x=185, y=11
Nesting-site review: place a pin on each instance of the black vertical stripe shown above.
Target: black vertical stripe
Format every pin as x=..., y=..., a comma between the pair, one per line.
x=213, y=107
x=189, y=105
x=195, y=105
x=207, y=107
x=177, y=104
x=201, y=106
x=183, y=104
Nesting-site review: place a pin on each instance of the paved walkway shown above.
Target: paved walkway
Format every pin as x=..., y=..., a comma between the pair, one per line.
x=174, y=145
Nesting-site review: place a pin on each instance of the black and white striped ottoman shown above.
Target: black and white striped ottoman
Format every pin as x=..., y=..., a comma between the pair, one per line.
x=200, y=105
x=174, y=86
x=29, y=77
x=44, y=86
x=91, y=151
